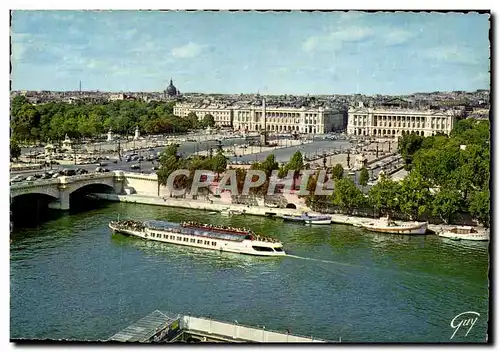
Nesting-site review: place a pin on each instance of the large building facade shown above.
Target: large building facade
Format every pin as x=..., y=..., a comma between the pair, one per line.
x=270, y=118
x=390, y=122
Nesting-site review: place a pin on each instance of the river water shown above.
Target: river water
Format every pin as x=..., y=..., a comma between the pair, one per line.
x=70, y=278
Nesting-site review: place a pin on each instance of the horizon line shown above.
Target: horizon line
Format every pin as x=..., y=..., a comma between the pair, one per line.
x=254, y=93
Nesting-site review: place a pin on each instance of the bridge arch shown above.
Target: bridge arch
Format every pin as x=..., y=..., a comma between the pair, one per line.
x=92, y=187
x=36, y=204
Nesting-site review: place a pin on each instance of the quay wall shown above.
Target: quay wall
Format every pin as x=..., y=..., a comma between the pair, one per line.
x=248, y=210
x=194, y=204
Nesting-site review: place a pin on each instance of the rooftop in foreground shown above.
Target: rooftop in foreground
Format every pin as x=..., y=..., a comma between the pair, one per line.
x=158, y=327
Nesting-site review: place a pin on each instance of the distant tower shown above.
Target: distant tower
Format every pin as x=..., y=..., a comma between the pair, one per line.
x=80, y=85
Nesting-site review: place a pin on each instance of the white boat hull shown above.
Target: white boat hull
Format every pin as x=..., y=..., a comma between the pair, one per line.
x=465, y=237
x=243, y=247
x=319, y=222
x=398, y=230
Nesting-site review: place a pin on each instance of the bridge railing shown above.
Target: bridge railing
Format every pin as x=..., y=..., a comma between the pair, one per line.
x=57, y=180
x=90, y=176
x=38, y=182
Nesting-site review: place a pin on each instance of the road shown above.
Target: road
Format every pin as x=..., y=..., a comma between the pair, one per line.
x=284, y=154
x=185, y=148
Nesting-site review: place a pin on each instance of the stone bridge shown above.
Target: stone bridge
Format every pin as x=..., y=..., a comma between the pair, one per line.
x=62, y=187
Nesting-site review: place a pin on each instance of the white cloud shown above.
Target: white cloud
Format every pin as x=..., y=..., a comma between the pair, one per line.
x=187, y=51
x=454, y=54
x=334, y=40
x=398, y=36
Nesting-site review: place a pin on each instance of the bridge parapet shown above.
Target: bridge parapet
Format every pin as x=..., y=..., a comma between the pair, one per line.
x=34, y=183
x=89, y=176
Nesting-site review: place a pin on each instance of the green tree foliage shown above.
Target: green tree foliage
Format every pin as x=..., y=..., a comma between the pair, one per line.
x=337, y=172
x=169, y=162
x=219, y=163
x=347, y=196
x=15, y=150
x=208, y=121
x=295, y=164
x=414, y=195
x=363, y=177
x=408, y=145
x=192, y=120
x=480, y=206
x=446, y=204
x=55, y=120
x=461, y=161
x=383, y=196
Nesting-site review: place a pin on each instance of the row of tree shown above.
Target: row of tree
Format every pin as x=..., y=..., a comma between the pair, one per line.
x=171, y=160
x=54, y=120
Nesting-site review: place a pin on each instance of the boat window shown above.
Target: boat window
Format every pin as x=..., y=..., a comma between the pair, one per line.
x=278, y=249
x=165, y=236
x=179, y=238
x=214, y=243
x=262, y=249
x=192, y=240
x=186, y=239
x=200, y=241
x=172, y=237
x=206, y=242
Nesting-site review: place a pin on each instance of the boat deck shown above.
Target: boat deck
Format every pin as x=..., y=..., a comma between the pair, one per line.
x=196, y=231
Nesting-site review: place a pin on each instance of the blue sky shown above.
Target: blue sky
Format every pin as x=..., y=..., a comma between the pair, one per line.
x=273, y=53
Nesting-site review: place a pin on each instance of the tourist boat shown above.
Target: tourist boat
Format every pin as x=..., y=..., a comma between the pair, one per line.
x=385, y=225
x=468, y=233
x=309, y=219
x=222, y=238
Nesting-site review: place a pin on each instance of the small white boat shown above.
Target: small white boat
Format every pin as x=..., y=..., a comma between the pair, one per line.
x=229, y=212
x=467, y=233
x=384, y=225
x=309, y=219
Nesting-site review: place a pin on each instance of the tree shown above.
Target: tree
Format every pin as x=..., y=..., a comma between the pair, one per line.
x=363, y=177
x=219, y=163
x=169, y=162
x=15, y=149
x=208, y=121
x=446, y=204
x=347, y=196
x=414, y=196
x=408, y=145
x=295, y=164
x=192, y=120
x=480, y=206
x=383, y=196
x=337, y=172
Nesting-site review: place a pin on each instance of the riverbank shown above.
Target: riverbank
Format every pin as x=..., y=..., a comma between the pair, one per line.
x=248, y=210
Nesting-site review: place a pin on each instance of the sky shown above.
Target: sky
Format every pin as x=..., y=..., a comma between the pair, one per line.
x=249, y=52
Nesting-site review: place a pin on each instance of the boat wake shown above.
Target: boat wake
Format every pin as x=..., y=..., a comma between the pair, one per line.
x=324, y=261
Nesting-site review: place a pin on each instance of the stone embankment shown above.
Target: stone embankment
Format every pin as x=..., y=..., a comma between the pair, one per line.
x=249, y=210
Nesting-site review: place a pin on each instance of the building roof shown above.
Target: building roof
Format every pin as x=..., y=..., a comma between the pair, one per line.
x=171, y=90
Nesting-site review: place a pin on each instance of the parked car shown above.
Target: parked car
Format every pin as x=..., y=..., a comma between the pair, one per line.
x=30, y=178
x=135, y=167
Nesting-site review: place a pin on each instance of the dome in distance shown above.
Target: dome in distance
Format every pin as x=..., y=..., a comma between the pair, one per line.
x=171, y=90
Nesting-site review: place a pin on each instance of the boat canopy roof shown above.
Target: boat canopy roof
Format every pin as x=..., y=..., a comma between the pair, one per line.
x=219, y=234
